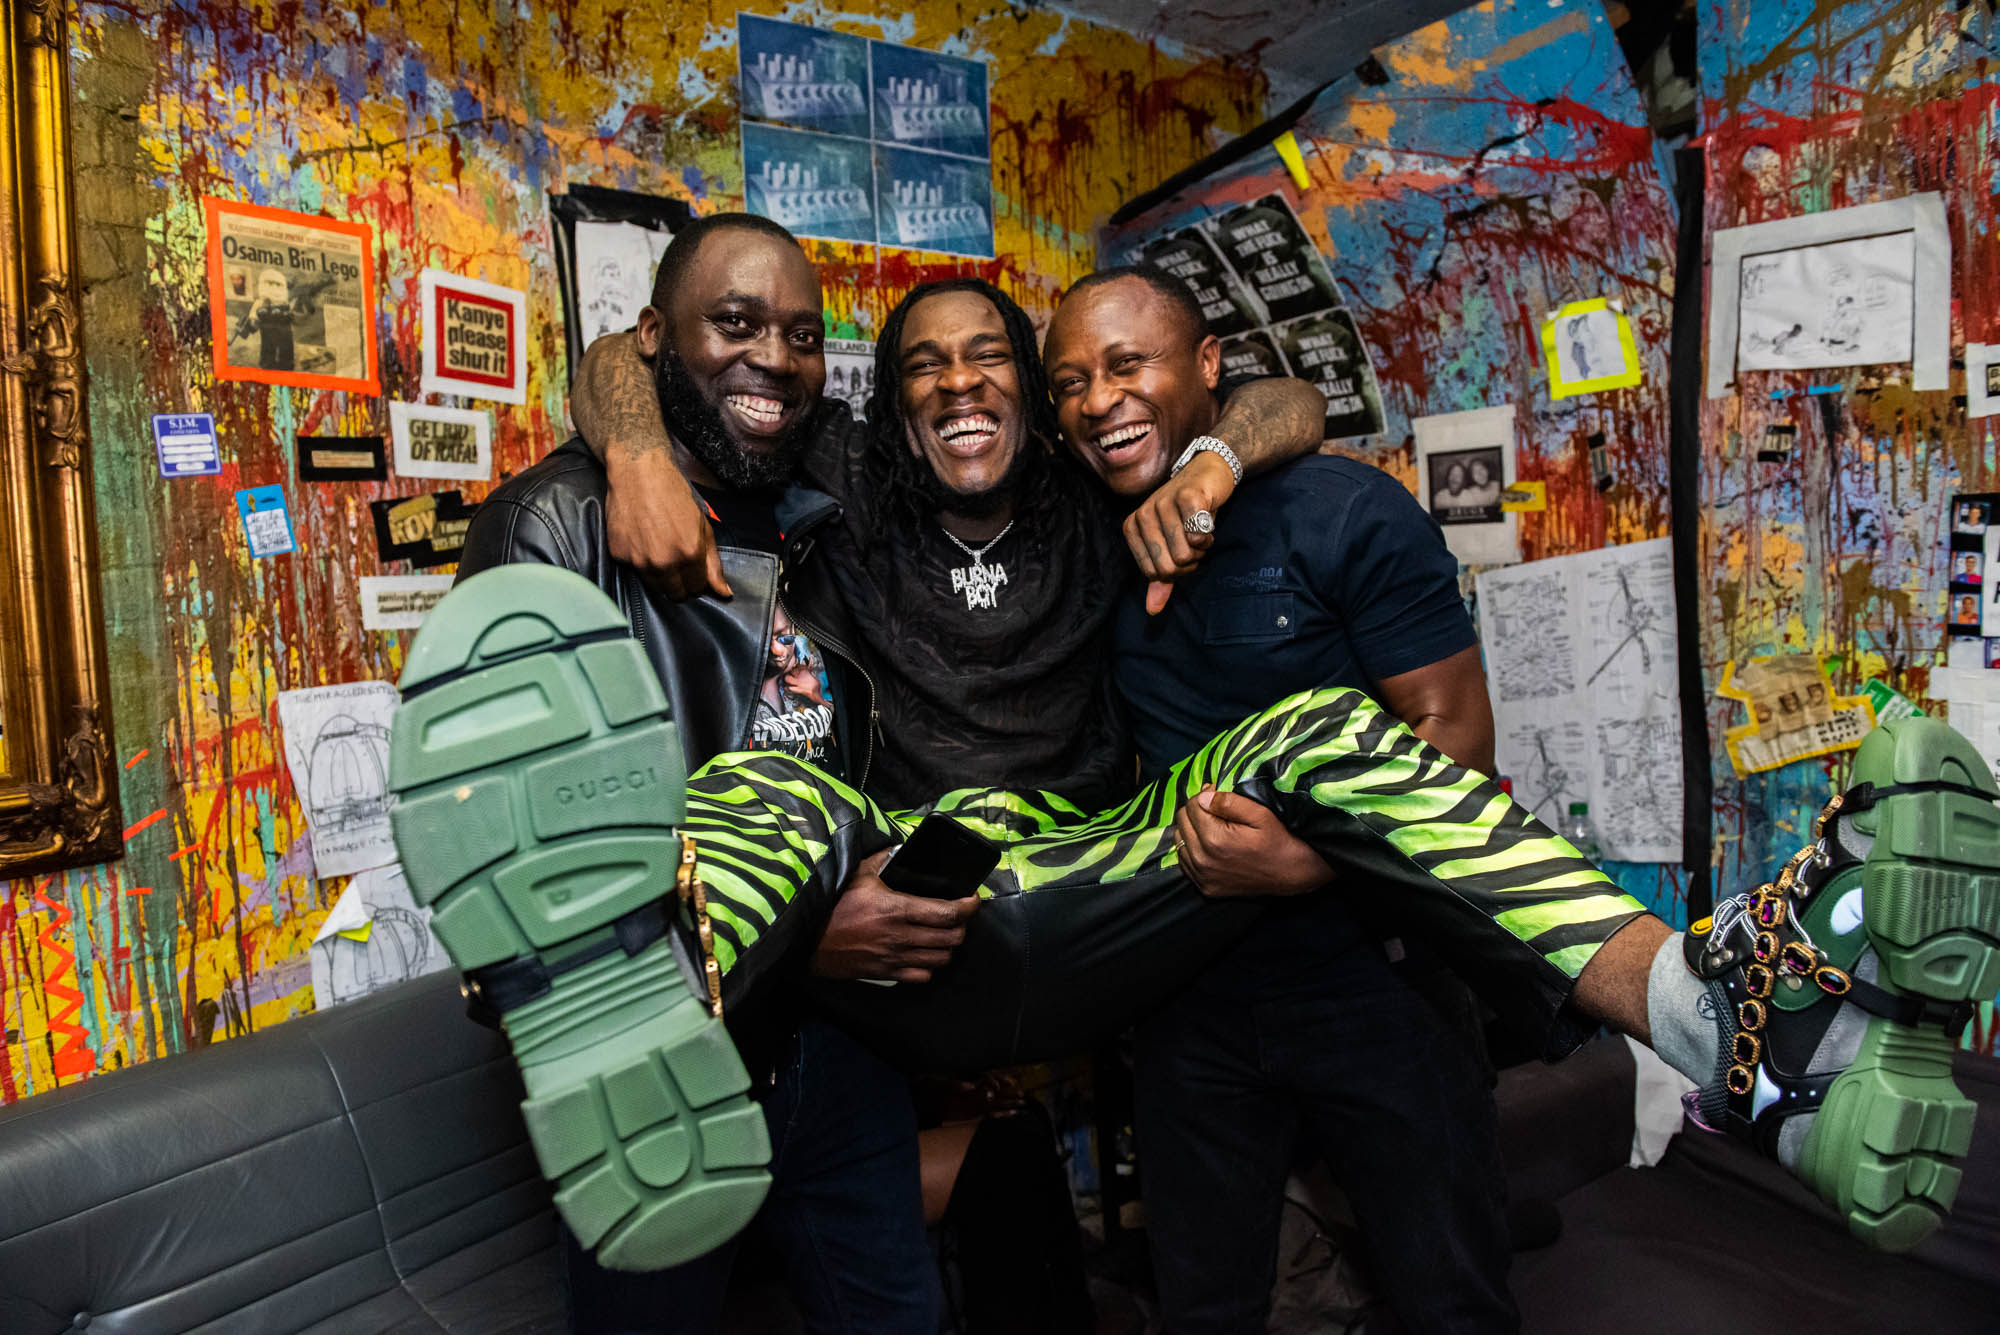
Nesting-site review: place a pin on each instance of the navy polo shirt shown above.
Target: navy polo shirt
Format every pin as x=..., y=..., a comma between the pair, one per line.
x=1325, y=572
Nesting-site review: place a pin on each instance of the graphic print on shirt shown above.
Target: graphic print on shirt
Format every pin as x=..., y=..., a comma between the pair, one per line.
x=794, y=711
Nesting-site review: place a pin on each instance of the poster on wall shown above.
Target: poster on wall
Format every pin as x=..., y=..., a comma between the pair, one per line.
x=337, y=749
x=1862, y=286
x=1581, y=666
x=805, y=78
x=852, y=139
x=933, y=201
x=850, y=373
x=1327, y=350
x=1269, y=297
x=814, y=185
x=608, y=247
x=1844, y=303
x=475, y=339
x=1269, y=249
x=291, y=297
x=923, y=99
x=1464, y=462
x=1190, y=256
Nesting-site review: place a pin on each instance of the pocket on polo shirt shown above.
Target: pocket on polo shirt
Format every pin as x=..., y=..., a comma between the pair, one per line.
x=1250, y=617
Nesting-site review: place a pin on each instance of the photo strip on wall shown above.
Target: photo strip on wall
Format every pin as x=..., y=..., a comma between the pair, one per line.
x=849, y=139
x=1972, y=597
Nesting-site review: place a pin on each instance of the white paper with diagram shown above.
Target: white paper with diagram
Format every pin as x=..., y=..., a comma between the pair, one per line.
x=1581, y=670
x=337, y=747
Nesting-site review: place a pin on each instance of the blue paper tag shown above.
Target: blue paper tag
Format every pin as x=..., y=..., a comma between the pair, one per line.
x=265, y=522
x=186, y=442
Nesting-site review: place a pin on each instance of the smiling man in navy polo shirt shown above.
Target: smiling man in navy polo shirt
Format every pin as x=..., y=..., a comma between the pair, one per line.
x=1324, y=572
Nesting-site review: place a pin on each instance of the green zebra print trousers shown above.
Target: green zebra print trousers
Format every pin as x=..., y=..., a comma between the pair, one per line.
x=1087, y=922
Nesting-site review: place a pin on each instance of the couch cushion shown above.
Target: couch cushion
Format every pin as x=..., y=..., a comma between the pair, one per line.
x=362, y=1168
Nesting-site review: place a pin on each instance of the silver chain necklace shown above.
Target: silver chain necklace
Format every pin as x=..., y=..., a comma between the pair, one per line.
x=979, y=582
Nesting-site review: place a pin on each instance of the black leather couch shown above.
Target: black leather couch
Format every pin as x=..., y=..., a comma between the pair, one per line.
x=363, y=1169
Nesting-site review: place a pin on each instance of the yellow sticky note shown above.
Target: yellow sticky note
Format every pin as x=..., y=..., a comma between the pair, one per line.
x=358, y=933
x=1524, y=496
x=1589, y=347
x=1295, y=162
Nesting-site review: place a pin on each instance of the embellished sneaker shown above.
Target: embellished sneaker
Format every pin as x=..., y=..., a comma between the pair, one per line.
x=540, y=784
x=1842, y=987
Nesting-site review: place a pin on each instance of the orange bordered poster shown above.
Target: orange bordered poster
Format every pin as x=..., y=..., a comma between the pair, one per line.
x=291, y=297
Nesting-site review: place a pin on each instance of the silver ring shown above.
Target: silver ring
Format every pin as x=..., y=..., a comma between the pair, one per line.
x=1201, y=521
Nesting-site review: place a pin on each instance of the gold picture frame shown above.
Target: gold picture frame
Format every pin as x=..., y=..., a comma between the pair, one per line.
x=58, y=782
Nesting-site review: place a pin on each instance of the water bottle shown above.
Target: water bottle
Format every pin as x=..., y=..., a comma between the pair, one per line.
x=1577, y=830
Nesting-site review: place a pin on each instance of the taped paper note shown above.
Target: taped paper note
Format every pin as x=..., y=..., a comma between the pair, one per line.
x=1589, y=347
x=337, y=748
x=400, y=602
x=1794, y=713
x=266, y=525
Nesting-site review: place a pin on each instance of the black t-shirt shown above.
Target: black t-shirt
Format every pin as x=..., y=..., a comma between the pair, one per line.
x=982, y=679
x=1325, y=572
x=795, y=705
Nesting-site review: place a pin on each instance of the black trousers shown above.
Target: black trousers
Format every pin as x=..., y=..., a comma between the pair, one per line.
x=1306, y=1037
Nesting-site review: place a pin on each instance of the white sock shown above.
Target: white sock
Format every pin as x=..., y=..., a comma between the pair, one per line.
x=1680, y=1010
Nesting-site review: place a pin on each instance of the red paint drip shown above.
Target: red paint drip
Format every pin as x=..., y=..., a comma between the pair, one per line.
x=72, y=1055
x=146, y=822
x=144, y=751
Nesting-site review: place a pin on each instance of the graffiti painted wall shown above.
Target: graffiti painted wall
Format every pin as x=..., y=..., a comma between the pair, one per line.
x=1503, y=170
x=442, y=126
x=1840, y=552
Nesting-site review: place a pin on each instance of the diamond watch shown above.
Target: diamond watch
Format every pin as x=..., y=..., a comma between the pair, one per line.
x=1210, y=443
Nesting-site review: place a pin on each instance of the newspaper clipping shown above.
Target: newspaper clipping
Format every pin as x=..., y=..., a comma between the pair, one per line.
x=291, y=297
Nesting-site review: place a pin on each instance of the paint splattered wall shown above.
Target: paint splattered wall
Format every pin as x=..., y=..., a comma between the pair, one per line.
x=442, y=125
x=1504, y=169
x=1840, y=552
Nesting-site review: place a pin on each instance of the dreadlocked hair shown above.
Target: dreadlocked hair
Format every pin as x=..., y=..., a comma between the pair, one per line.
x=898, y=475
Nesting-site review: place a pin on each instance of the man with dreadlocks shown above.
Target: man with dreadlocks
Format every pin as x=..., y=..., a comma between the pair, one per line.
x=542, y=805
x=911, y=622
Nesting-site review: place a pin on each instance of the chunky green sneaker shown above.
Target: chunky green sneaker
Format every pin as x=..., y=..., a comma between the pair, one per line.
x=1842, y=987
x=540, y=784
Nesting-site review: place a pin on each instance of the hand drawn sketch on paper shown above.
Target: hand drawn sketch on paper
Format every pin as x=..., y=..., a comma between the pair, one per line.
x=615, y=262
x=1581, y=668
x=1843, y=303
x=337, y=747
x=375, y=936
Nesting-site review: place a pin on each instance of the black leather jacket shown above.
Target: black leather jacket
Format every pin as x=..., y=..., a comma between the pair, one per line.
x=711, y=655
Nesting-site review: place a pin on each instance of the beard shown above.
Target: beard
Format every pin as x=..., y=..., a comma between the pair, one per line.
x=697, y=424
x=987, y=502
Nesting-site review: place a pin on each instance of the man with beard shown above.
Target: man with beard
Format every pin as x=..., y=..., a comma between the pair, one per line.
x=1085, y=925
x=734, y=331
x=882, y=594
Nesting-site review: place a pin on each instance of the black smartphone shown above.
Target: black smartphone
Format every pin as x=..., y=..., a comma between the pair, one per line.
x=943, y=859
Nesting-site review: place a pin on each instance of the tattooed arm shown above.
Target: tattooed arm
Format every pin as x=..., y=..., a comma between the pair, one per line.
x=1267, y=423
x=652, y=519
